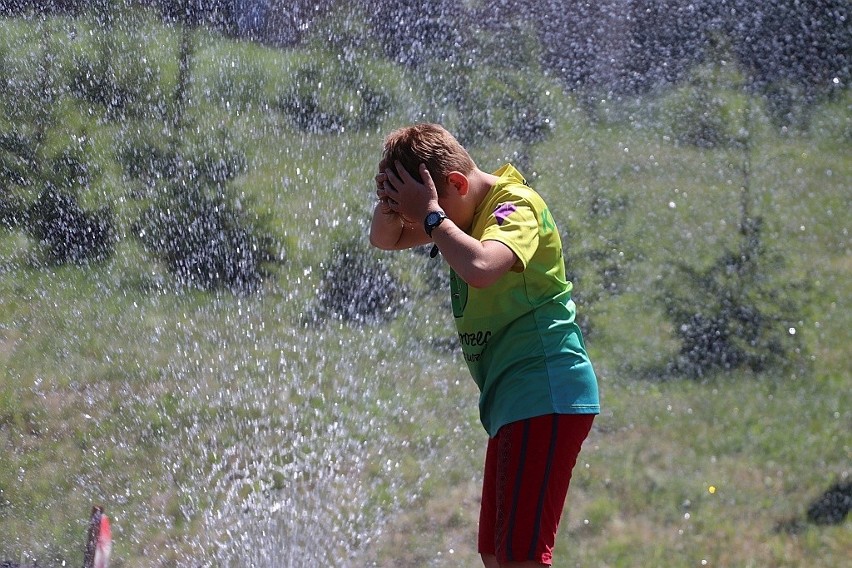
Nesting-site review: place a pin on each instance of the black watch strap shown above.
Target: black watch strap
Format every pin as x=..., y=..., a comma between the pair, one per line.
x=432, y=220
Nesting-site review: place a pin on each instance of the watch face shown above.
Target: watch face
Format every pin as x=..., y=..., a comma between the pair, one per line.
x=432, y=220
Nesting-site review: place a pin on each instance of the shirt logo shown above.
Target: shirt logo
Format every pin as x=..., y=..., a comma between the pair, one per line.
x=503, y=211
x=458, y=294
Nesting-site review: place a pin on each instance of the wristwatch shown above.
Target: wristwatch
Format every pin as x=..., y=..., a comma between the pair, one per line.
x=433, y=219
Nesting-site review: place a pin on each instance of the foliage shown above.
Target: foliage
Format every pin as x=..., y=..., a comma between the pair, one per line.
x=833, y=506
x=498, y=92
x=356, y=286
x=240, y=85
x=111, y=65
x=707, y=111
x=13, y=208
x=206, y=235
x=333, y=98
x=598, y=271
x=205, y=238
x=123, y=85
x=733, y=313
x=18, y=159
x=788, y=106
x=795, y=52
x=696, y=117
x=67, y=232
x=145, y=155
x=40, y=198
x=414, y=32
x=591, y=46
x=514, y=106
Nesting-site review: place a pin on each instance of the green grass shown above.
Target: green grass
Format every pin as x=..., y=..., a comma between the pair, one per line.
x=194, y=417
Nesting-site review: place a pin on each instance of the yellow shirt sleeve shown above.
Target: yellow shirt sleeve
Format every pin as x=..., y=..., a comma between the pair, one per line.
x=515, y=224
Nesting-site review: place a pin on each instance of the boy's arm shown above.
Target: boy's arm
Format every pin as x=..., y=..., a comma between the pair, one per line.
x=479, y=263
x=388, y=229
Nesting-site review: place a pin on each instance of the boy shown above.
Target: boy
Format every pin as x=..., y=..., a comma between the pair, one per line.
x=515, y=320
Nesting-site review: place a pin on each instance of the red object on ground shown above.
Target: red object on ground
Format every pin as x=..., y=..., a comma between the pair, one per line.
x=99, y=541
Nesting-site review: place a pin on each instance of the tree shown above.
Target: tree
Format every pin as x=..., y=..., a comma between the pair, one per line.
x=733, y=312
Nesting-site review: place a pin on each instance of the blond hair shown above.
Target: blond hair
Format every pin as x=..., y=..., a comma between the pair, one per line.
x=429, y=144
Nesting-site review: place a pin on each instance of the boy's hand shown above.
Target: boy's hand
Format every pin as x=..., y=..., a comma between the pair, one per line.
x=390, y=229
x=408, y=197
x=382, y=194
x=384, y=204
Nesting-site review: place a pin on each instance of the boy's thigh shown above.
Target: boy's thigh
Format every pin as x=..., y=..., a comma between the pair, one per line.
x=527, y=472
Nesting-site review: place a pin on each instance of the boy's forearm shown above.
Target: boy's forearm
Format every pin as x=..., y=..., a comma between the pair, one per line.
x=385, y=229
x=389, y=231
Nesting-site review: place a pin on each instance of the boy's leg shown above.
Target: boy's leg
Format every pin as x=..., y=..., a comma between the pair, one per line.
x=490, y=561
x=488, y=506
x=527, y=472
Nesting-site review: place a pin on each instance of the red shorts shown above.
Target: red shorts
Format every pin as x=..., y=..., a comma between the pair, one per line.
x=527, y=470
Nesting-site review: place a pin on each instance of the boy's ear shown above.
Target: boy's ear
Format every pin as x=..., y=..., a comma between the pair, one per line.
x=459, y=181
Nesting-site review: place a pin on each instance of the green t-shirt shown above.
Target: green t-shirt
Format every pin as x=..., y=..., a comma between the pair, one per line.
x=518, y=335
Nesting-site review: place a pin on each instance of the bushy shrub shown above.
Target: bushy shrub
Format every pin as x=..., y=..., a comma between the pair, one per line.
x=788, y=106
x=13, y=208
x=143, y=159
x=708, y=110
x=67, y=232
x=695, y=118
x=69, y=168
x=733, y=313
x=597, y=273
x=333, y=98
x=113, y=68
x=18, y=159
x=498, y=103
x=29, y=83
x=96, y=83
x=151, y=159
x=833, y=506
x=206, y=239
x=40, y=198
x=357, y=286
x=241, y=85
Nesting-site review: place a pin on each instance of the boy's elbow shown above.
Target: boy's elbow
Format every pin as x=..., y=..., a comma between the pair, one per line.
x=385, y=243
x=481, y=279
x=479, y=284
x=379, y=244
x=483, y=275
x=486, y=269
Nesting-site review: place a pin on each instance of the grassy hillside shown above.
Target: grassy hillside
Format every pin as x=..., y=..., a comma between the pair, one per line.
x=225, y=430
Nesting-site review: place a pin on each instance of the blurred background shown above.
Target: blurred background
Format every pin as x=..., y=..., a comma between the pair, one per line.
x=196, y=335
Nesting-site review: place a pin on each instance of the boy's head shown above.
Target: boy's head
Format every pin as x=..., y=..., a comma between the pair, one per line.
x=429, y=144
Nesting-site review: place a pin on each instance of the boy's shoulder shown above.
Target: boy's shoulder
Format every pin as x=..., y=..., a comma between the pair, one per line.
x=513, y=186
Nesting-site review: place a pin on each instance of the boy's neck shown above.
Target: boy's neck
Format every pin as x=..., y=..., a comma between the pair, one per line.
x=480, y=184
